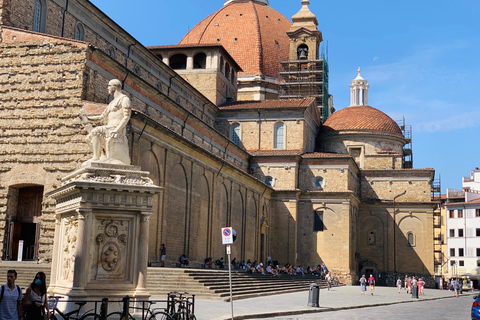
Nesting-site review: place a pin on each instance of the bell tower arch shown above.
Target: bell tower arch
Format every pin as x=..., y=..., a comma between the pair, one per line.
x=304, y=34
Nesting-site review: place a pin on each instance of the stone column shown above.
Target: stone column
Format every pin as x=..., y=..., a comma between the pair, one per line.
x=143, y=252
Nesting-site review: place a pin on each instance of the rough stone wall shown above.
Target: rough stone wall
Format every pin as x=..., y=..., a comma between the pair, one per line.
x=332, y=245
x=379, y=162
x=206, y=84
x=380, y=152
x=335, y=179
x=386, y=184
x=41, y=86
x=388, y=248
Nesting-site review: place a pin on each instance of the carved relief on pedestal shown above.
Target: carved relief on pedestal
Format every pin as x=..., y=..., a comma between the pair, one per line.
x=112, y=249
x=70, y=229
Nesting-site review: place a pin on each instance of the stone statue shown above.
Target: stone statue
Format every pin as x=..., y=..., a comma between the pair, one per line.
x=109, y=142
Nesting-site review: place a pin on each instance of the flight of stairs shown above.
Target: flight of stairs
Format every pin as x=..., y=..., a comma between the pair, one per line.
x=214, y=284
x=26, y=272
x=210, y=284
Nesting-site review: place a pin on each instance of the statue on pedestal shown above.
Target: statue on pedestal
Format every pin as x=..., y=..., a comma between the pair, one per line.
x=109, y=142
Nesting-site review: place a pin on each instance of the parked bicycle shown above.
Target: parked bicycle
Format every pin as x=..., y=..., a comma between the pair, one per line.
x=181, y=306
x=76, y=314
x=148, y=313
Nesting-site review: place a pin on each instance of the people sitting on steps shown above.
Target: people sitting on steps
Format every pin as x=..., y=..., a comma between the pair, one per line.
x=184, y=261
x=219, y=263
x=209, y=262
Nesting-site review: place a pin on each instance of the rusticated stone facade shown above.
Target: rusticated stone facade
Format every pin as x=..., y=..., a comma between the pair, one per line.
x=41, y=85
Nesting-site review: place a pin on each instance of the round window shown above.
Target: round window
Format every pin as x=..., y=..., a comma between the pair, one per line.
x=318, y=183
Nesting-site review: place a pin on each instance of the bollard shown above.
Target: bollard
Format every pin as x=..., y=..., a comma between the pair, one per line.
x=126, y=305
x=104, y=309
x=313, y=295
x=415, y=291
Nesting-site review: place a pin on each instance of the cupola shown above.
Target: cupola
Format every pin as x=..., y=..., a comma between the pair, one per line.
x=359, y=91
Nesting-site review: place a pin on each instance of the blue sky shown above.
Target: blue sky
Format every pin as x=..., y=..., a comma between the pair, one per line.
x=420, y=57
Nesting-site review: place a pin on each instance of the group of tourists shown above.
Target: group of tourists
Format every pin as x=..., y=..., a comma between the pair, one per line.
x=363, y=284
x=31, y=306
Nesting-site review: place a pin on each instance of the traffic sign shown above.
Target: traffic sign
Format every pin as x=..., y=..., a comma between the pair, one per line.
x=227, y=235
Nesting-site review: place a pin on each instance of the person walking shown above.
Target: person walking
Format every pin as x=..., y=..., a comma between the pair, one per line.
x=440, y=283
x=363, y=284
x=371, y=282
x=35, y=299
x=11, y=299
x=405, y=282
x=399, y=284
x=456, y=286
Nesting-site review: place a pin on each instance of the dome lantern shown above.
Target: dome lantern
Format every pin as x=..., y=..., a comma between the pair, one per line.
x=359, y=91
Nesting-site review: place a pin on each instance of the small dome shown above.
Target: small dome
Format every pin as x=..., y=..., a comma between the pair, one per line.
x=361, y=118
x=252, y=32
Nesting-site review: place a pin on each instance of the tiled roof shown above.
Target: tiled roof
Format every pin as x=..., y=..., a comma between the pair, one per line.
x=253, y=33
x=360, y=118
x=268, y=104
x=267, y=153
x=325, y=155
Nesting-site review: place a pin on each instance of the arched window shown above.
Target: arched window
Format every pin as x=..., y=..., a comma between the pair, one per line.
x=411, y=239
x=279, y=133
x=302, y=52
x=178, y=62
x=227, y=71
x=111, y=52
x=232, y=80
x=222, y=65
x=79, y=31
x=159, y=86
x=40, y=16
x=236, y=133
x=137, y=70
x=200, y=61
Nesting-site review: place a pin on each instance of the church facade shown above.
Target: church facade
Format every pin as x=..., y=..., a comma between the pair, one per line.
x=236, y=136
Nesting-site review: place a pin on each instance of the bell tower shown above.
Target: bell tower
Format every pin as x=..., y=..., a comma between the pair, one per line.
x=305, y=38
x=306, y=72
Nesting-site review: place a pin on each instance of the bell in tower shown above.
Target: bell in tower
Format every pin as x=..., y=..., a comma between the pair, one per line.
x=302, y=52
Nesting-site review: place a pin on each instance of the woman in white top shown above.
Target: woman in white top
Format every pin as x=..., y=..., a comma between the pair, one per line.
x=35, y=299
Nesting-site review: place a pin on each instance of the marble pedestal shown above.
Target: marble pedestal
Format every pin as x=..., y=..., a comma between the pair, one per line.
x=101, y=234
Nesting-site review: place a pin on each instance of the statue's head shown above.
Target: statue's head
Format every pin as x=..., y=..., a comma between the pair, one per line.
x=114, y=85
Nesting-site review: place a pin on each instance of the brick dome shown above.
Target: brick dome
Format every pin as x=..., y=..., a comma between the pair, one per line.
x=362, y=118
x=251, y=31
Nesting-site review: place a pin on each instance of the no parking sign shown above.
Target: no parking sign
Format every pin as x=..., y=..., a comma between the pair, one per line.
x=227, y=235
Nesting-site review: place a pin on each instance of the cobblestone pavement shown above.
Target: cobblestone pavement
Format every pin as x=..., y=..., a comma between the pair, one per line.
x=341, y=303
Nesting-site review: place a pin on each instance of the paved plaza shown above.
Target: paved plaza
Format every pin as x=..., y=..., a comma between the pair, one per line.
x=343, y=303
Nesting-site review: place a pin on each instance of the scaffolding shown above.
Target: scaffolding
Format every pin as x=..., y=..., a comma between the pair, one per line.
x=438, y=236
x=306, y=78
x=407, y=148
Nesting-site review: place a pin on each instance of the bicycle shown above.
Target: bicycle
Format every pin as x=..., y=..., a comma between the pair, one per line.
x=72, y=315
x=185, y=306
x=151, y=314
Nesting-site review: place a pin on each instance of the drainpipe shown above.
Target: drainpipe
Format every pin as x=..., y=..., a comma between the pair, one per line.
x=128, y=53
x=63, y=18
